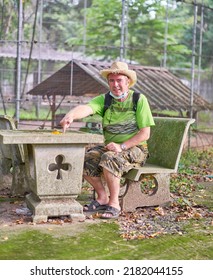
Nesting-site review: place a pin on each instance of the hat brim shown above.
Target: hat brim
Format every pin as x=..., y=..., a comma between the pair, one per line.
x=129, y=73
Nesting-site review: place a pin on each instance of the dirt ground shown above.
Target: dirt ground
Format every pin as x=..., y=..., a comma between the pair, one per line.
x=14, y=211
x=146, y=222
x=16, y=217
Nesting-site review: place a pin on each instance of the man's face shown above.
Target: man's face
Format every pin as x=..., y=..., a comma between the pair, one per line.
x=118, y=84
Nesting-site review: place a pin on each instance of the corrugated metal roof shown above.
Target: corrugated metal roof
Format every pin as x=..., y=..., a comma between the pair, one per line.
x=163, y=89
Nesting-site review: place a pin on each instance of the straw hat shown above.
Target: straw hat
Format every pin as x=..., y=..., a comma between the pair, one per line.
x=120, y=68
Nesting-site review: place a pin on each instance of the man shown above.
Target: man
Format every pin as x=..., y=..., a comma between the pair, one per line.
x=125, y=132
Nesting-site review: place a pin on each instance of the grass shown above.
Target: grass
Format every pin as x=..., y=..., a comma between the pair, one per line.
x=102, y=240
x=29, y=114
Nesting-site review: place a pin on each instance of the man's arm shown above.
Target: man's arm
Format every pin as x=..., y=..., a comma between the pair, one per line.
x=76, y=113
x=141, y=136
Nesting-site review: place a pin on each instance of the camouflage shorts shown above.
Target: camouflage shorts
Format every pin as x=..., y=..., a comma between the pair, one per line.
x=98, y=157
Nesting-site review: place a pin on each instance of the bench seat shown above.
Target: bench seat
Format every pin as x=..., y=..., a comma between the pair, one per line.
x=135, y=173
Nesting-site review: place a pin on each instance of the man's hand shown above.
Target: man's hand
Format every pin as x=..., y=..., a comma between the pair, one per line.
x=114, y=147
x=79, y=112
x=66, y=122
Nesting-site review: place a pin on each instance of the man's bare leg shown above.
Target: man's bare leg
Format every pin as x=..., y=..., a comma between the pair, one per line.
x=97, y=184
x=113, y=184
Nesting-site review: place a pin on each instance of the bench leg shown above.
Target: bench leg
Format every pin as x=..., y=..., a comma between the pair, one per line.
x=134, y=198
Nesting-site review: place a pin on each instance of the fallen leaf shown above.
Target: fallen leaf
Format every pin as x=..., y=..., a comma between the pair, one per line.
x=160, y=211
x=155, y=234
x=197, y=216
x=56, y=132
x=19, y=222
x=96, y=215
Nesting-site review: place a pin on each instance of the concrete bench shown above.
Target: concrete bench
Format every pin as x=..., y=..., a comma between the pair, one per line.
x=12, y=160
x=150, y=185
x=165, y=147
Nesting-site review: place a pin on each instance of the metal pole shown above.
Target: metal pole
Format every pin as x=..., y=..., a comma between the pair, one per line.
x=40, y=40
x=193, y=69
x=39, y=60
x=193, y=61
x=165, y=36
x=126, y=27
x=18, y=64
x=122, y=45
x=200, y=49
x=85, y=27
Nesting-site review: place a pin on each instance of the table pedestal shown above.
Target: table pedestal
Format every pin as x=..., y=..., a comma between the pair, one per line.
x=44, y=207
x=56, y=179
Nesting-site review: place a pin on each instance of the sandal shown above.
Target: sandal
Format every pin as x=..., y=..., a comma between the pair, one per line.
x=112, y=213
x=94, y=206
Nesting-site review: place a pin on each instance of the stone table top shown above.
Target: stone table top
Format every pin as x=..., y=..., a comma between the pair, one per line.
x=48, y=136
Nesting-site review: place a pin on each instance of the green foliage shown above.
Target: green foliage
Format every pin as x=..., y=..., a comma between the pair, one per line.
x=195, y=168
x=197, y=158
x=207, y=31
x=8, y=19
x=60, y=22
x=63, y=27
x=144, y=42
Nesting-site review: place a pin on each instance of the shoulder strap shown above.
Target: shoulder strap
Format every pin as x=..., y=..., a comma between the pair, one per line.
x=135, y=98
x=107, y=102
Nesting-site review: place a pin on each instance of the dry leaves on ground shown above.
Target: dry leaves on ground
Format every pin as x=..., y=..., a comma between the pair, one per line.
x=151, y=222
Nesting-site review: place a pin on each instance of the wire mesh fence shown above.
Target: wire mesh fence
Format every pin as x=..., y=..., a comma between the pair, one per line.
x=45, y=63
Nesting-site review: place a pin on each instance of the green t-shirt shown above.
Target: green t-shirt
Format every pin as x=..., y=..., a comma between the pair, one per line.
x=120, y=121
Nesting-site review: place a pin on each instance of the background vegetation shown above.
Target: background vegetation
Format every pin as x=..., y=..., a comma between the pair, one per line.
x=95, y=29
x=156, y=33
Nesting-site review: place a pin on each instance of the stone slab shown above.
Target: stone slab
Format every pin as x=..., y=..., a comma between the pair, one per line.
x=50, y=137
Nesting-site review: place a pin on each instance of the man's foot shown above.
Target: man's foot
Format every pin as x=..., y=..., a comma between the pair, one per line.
x=94, y=206
x=110, y=213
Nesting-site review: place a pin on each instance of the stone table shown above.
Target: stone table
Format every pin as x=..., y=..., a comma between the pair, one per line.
x=54, y=167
